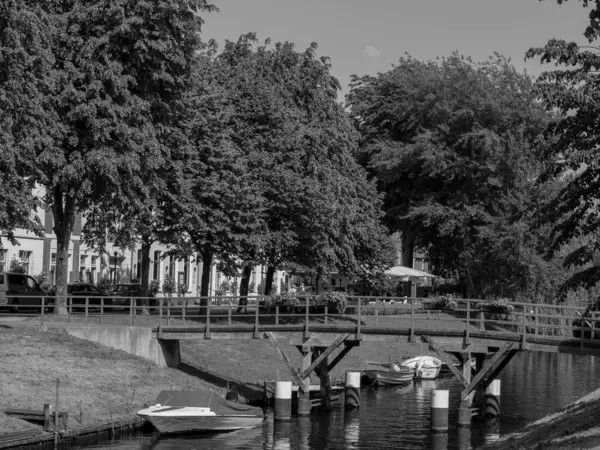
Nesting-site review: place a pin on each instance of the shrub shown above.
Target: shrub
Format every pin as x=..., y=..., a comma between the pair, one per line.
x=234, y=287
x=16, y=266
x=181, y=289
x=225, y=286
x=105, y=283
x=443, y=302
x=169, y=285
x=44, y=281
x=154, y=287
x=219, y=292
x=499, y=306
x=252, y=287
x=336, y=302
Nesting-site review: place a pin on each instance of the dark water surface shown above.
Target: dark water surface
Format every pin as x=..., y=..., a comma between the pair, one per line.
x=533, y=385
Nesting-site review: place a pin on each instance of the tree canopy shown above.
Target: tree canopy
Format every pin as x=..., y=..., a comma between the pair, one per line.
x=451, y=143
x=105, y=79
x=572, y=92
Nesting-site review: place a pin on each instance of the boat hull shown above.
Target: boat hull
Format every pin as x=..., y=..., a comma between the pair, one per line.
x=425, y=367
x=191, y=424
x=388, y=377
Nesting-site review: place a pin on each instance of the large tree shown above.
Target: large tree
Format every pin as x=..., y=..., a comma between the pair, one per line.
x=451, y=143
x=321, y=212
x=572, y=92
x=274, y=181
x=106, y=82
x=24, y=60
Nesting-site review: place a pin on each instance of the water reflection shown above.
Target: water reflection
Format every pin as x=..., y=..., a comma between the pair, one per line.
x=281, y=435
x=399, y=417
x=351, y=429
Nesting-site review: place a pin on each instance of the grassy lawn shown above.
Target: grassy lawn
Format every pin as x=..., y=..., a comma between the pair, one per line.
x=110, y=384
x=106, y=385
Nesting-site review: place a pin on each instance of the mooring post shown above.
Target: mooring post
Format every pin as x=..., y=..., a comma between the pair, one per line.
x=283, y=400
x=304, y=403
x=492, y=399
x=47, y=417
x=325, y=382
x=439, y=410
x=352, y=390
x=439, y=441
x=464, y=409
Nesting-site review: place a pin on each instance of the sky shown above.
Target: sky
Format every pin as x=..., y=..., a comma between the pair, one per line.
x=366, y=37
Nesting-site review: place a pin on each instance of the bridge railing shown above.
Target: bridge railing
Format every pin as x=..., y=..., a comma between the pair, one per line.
x=470, y=315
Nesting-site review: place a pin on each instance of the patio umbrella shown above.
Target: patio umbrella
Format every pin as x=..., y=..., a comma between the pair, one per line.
x=407, y=273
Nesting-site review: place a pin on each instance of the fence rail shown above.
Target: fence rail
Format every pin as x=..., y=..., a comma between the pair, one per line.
x=524, y=319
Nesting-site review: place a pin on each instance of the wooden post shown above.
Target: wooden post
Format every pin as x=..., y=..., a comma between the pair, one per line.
x=327, y=313
x=43, y=306
x=468, y=324
x=277, y=315
x=304, y=404
x=376, y=312
x=208, y=302
x=481, y=320
x=283, y=400
x=537, y=320
x=593, y=323
x=132, y=312
x=412, y=320
x=101, y=309
x=228, y=313
x=358, y=324
x=56, y=410
x=160, y=311
x=464, y=410
x=306, y=319
x=87, y=304
x=183, y=305
x=47, y=417
x=325, y=382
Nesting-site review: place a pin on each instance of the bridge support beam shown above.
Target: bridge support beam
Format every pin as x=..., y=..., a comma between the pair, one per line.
x=474, y=373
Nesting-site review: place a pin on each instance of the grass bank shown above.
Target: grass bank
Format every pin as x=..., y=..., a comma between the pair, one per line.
x=103, y=385
x=575, y=426
x=97, y=384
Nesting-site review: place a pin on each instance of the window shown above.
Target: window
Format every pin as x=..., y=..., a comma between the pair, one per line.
x=139, y=265
x=3, y=254
x=25, y=256
x=53, y=268
x=82, y=267
x=156, y=268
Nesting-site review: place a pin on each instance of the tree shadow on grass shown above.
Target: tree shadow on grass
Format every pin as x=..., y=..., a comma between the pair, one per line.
x=251, y=392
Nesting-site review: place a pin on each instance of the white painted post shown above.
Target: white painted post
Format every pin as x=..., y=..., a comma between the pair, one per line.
x=352, y=391
x=439, y=410
x=283, y=400
x=492, y=399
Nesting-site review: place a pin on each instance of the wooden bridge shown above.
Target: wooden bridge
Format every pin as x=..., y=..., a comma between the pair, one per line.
x=475, y=338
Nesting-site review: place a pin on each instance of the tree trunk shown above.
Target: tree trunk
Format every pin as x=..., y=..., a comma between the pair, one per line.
x=244, y=283
x=63, y=210
x=206, y=268
x=408, y=248
x=146, y=245
x=269, y=280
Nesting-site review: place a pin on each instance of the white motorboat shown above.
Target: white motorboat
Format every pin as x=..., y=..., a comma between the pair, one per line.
x=425, y=367
x=199, y=411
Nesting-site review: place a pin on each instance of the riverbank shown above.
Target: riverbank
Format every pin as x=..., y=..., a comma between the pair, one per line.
x=575, y=426
x=100, y=385
x=97, y=384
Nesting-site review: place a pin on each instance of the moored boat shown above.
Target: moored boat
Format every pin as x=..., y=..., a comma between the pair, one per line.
x=394, y=375
x=198, y=411
x=425, y=367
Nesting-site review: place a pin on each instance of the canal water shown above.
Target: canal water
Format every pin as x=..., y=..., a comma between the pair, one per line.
x=533, y=385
